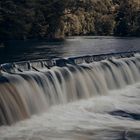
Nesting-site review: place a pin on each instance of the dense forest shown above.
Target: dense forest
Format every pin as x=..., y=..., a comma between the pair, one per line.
x=55, y=19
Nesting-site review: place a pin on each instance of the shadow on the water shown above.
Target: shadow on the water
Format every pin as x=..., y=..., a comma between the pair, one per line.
x=29, y=50
x=125, y=114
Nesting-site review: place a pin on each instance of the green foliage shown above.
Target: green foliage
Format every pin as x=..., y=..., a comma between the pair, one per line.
x=88, y=17
x=23, y=19
x=104, y=25
x=127, y=19
x=29, y=18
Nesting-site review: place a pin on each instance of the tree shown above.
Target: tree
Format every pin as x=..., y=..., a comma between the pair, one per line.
x=126, y=18
x=104, y=25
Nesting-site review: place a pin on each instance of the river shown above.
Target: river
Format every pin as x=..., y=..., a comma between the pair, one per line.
x=91, y=101
x=72, y=46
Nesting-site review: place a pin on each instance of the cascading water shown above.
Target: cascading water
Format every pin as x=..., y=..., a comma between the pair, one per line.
x=24, y=93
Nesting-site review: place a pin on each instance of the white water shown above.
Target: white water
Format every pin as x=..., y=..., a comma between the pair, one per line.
x=100, y=100
x=83, y=120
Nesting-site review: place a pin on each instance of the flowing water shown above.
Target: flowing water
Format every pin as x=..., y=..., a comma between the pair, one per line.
x=87, y=101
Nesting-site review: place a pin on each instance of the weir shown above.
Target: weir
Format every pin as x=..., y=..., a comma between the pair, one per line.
x=31, y=87
x=45, y=63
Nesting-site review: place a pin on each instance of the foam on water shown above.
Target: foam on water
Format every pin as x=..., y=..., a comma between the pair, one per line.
x=84, y=120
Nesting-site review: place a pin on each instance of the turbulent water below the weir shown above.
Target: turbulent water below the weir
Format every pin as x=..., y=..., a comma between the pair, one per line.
x=111, y=117
x=89, y=101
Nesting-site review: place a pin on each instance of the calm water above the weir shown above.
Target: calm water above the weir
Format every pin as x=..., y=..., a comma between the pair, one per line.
x=73, y=46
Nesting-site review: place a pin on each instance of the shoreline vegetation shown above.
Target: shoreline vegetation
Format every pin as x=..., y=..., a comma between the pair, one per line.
x=53, y=20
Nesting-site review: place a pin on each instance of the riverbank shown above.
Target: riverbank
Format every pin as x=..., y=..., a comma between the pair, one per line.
x=22, y=42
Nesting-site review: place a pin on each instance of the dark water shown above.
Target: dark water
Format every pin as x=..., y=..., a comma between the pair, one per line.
x=73, y=46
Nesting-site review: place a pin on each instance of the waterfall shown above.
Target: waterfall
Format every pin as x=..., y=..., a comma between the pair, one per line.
x=24, y=91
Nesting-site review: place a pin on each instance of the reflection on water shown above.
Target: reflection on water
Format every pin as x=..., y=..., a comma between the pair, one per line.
x=73, y=46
